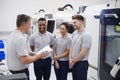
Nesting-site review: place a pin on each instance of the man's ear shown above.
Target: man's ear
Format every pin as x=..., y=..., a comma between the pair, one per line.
x=81, y=22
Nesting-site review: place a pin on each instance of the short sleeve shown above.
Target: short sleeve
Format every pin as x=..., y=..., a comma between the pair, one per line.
x=86, y=41
x=21, y=47
x=69, y=43
x=31, y=41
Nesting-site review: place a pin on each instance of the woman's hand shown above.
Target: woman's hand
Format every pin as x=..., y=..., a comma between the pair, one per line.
x=57, y=66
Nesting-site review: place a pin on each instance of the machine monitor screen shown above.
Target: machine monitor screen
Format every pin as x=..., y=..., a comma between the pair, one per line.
x=117, y=28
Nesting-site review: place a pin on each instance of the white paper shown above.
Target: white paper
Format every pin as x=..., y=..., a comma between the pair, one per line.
x=46, y=48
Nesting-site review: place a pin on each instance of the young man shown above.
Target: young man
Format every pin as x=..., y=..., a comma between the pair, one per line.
x=39, y=40
x=80, y=48
x=18, y=50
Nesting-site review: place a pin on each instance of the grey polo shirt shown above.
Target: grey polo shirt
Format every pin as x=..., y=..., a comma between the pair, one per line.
x=39, y=41
x=17, y=46
x=79, y=40
x=62, y=44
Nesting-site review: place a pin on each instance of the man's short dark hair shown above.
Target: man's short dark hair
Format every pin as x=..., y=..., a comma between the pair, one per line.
x=78, y=17
x=21, y=19
x=41, y=19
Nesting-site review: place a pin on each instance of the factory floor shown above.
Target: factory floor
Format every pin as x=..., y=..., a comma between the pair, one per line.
x=4, y=71
x=52, y=77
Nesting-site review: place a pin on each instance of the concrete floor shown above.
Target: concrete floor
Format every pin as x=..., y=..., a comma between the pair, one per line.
x=4, y=71
x=52, y=77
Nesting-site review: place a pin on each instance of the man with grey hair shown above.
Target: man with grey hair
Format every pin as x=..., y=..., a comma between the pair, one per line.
x=19, y=54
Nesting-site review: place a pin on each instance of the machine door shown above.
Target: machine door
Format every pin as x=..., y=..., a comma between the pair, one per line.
x=50, y=25
x=109, y=49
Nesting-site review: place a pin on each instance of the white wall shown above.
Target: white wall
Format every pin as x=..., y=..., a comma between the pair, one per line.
x=9, y=9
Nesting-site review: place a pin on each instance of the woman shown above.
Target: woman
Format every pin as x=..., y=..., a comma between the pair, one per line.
x=61, y=52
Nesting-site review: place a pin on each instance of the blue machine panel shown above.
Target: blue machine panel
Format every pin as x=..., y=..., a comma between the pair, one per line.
x=2, y=53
